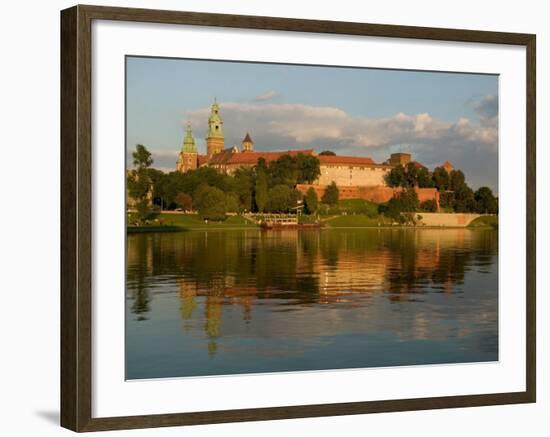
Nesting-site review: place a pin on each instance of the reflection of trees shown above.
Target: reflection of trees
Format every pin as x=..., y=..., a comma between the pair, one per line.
x=139, y=264
x=218, y=268
x=438, y=258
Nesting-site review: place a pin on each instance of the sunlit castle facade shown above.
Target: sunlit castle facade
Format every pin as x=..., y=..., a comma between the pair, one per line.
x=350, y=173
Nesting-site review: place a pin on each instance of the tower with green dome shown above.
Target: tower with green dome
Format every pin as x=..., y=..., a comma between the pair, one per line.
x=214, y=137
x=187, y=159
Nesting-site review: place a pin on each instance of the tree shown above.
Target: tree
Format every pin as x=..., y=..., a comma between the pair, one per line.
x=158, y=184
x=401, y=205
x=184, y=201
x=327, y=153
x=396, y=177
x=142, y=157
x=331, y=195
x=408, y=200
x=311, y=201
x=308, y=168
x=411, y=175
x=424, y=178
x=281, y=198
x=243, y=185
x=486, y=202
x=210, y=202
x=284, y=171
x=138, y=181
x=441, y=179
x=456, y=180
x=447, y=200
x=429, y=205
x=260, y=195
x=232, y=202
x=464, y=199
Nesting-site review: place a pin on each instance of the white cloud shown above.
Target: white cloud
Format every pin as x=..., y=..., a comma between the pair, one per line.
x=284, y=126
x=268, y=95
x=303, y=124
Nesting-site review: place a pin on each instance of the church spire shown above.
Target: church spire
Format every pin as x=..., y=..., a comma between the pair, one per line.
x=189, y=142
x=247, y=144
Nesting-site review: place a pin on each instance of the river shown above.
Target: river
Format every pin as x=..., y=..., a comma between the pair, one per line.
x=219, y=302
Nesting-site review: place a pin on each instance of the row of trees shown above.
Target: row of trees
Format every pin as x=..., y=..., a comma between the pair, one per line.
x=455, y=194
x=270, y=188
x=263, y=188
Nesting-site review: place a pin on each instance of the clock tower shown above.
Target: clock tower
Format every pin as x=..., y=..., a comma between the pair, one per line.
x=214, y=138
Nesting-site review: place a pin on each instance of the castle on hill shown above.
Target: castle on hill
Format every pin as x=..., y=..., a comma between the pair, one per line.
x=356, y=177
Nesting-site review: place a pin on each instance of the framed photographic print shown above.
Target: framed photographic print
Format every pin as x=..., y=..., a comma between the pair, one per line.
x=339, y=216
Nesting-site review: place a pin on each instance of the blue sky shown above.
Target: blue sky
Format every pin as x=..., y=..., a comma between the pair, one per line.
x=359, y=111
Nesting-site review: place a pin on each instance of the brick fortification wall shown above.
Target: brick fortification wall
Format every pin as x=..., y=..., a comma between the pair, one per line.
x=377, y=194
x=350, y=176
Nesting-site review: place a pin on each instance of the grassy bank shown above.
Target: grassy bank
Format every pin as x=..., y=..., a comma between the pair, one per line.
x=180, y=222
x=153, y=228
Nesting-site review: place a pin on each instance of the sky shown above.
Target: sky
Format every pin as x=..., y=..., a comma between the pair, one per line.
x=436, y=116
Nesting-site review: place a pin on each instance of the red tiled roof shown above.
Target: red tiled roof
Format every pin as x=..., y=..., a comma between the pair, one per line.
x=251, y=158
x=419, y=165
x=202, y=159
x=346, y=160
x=223, y=156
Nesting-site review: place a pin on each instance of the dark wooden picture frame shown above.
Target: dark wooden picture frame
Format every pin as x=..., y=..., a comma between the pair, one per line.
x=76, y=217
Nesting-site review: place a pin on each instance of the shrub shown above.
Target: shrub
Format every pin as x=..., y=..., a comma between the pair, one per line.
x=429, y=205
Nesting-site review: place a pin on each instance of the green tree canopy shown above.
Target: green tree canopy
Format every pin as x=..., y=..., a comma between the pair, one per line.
x=332, y=194
x=396, y=177
x=464, y=199
x=232, y=203
x=456, y=180
x=261, y=193
x=429, y=205
x=283, y=171
x=424, y=178
x=138, y=181
x=327, y=153
x=411, y=175
x=311, y=201
x=244, y=180
x=282, y=198
x=441, y=179
x=210, y=202
x=308, y=168
x=142, y=157
x=486, y=202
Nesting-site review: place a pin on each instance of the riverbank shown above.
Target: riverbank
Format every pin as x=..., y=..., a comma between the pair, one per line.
x=170, y=222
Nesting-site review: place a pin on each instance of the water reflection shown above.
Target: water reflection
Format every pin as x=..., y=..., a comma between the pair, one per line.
x=250, y=301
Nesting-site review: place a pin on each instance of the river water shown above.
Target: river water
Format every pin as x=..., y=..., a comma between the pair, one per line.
x=221, y=302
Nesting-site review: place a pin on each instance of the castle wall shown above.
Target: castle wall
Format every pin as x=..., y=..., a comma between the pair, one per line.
x=375, y=194
x=349, y=175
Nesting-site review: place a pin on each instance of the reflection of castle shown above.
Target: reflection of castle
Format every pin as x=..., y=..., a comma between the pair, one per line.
x=226, y=283
x=352, y=174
